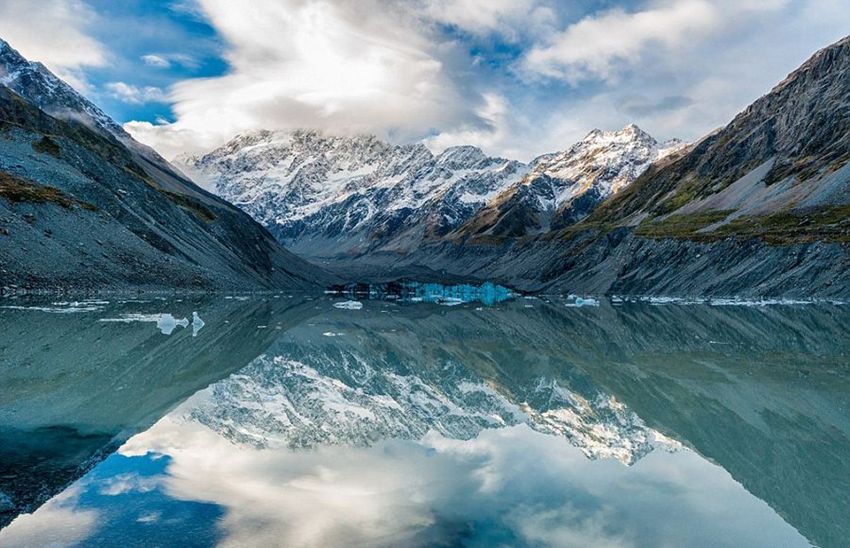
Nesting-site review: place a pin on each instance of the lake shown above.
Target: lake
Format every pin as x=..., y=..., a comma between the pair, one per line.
x=339, y=420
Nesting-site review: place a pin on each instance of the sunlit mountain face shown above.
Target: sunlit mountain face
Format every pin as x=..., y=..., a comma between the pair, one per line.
x=286, y=419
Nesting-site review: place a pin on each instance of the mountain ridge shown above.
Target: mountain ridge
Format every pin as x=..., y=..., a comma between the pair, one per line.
x=332, y=197
x=81, y=210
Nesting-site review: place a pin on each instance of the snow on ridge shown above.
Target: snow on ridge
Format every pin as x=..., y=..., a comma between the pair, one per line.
x=305, y=185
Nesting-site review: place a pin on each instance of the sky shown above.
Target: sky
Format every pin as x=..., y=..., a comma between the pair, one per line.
x=517, y=78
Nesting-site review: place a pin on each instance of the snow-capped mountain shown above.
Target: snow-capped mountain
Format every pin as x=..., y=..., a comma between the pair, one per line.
x=565, y=187
x=322, y=195
x=325, y=196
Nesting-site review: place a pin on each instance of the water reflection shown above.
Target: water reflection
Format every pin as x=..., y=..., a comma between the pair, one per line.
x=529, y=423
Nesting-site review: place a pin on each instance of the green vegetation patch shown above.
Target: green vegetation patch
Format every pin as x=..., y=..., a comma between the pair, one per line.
x=795, y=227
x=19, y=189
x=193, y=206
x=830, y=224
x=685, y=226
x=46, y=145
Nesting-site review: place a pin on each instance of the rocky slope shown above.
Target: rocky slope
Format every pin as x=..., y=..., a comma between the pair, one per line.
x=83, y=206
x=350, y=197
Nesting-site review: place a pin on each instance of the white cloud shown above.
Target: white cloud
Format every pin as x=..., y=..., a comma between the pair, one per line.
x=133, y=94
x=440, y=489
x=59, y=522
x=493, y=130
x=299, y=63
x=156, y=61
x=55, y=33
x=677, y=68
x=167, y=60
x=598, y=44
x=509, y=18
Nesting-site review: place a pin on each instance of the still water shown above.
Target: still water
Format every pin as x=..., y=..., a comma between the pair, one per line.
x=288, y=420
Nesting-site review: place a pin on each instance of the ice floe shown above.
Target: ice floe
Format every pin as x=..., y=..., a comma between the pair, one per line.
x=349, y=305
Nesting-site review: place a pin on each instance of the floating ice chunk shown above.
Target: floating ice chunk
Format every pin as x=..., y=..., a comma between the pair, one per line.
x=168, y=323
x=581, y=301
x=197, y=324
x=349, y=305
x=332, y=334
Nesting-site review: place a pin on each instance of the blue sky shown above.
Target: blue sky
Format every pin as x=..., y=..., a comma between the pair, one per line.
x=516, y=77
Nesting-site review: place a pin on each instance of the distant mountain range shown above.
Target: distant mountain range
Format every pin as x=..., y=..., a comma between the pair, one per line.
x=338, y=198
x=84, y=206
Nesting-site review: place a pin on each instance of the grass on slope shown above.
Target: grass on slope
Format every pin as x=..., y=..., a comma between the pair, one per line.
x=830, y=224
x=19, y=189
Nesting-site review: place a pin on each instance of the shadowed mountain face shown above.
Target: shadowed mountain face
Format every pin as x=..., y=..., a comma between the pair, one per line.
x=760, y=391
x=83, y=206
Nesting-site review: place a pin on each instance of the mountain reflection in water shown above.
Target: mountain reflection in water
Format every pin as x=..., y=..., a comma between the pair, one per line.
x=288, y=421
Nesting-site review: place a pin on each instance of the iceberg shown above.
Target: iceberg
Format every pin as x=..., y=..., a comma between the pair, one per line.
x=168, y=323
x=197, y=324
x=349, y=305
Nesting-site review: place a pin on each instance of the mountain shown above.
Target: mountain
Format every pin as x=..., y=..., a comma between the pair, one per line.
x=344, y=197
x=84, y=206
x=786, y=154
x=758, y=208
x=565, y=187
x=323, y=196
x=329, y=398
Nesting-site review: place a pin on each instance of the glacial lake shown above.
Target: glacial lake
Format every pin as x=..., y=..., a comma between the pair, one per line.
x=294, y=420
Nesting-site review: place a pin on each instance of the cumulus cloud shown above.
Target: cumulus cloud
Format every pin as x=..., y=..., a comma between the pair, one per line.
x=446, y=491
x=57, y=35
x=299, y=63
x=491, y=129
x=58, y=523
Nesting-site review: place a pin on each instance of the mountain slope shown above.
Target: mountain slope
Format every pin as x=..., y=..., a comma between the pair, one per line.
x=787, y=152
x=759, y=208
x=85, y=207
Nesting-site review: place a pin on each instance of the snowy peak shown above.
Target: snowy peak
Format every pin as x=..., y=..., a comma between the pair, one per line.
x=601, y=152
x=630, y=133
x=565, y=187
x=463, y=157
x=337, y=396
